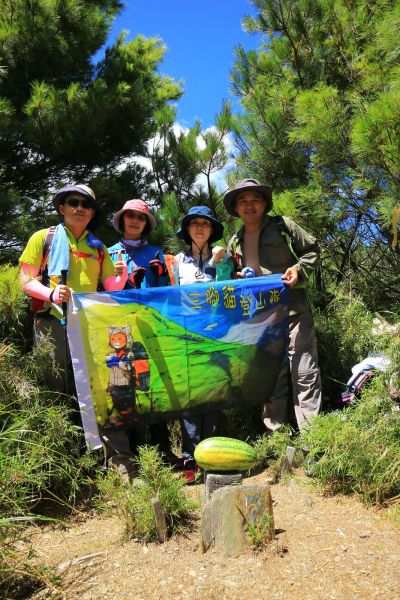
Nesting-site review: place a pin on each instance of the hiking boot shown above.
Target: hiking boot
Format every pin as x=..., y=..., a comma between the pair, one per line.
x=190, y=470
x=171, y=460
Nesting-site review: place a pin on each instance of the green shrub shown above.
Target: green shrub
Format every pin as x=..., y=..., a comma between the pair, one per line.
x=40, y=459
x=357, y=450
x=261, y=531
x=132, y=501
x=13, y=303
x=273, y=447
x=271, y=451
x=344, y=333
x=40, y=448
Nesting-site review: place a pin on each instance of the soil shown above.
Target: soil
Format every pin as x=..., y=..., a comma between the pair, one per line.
x=324, y=548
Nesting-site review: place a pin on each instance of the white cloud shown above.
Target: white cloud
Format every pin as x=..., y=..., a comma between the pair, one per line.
x=218, y=178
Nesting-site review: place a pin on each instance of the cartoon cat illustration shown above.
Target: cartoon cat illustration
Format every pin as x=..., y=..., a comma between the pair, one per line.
x=129, y=371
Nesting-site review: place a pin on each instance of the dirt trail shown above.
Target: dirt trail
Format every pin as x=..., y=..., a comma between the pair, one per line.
x=325, y=548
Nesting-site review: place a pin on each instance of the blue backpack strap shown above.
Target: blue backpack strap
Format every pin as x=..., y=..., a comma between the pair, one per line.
x=101, y=255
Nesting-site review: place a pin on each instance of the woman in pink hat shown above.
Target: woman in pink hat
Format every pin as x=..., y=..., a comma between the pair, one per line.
x=146, y=268
x=146, y=264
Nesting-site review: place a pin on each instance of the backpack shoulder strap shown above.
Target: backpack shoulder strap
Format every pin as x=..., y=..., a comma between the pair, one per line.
x=48, y=240
x=169, y=263
x=283, y=229
x=101, y=255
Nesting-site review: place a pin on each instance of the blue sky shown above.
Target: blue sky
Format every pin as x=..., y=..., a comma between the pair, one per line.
x=201, y=36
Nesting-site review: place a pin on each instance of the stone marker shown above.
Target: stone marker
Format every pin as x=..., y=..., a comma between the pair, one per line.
x=215, y=481
x=290, y=452
x=229, y=512
x=159, y=515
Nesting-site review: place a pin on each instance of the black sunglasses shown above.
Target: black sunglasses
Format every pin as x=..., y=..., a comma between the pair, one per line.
x=82, y=202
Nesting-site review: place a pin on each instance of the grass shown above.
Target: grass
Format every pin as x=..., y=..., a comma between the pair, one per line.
x=261, y=531
x=393, y=515
x=132, y=501
x=41, y=461
x=358, y=450
x=271, y=451
x=19, y=576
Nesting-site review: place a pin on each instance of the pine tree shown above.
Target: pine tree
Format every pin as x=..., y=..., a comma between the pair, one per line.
x=321, y=124
x=183, y=165
x=64, y=117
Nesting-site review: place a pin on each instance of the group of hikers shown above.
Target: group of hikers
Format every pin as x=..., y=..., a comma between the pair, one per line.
x=70, y=257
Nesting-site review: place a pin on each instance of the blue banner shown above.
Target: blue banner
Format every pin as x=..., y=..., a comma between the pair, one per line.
x=143, y=356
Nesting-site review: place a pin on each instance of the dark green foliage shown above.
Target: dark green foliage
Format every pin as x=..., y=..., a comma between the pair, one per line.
x=320, y=123
x=64, y=118
x=132, y=501
x=243, y=423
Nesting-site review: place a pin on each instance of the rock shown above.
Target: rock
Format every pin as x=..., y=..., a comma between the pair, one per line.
x=365, y=534
x=79, y=560
x=160, y=519
x=290, y=452
x=215, y=481
x=228, y=514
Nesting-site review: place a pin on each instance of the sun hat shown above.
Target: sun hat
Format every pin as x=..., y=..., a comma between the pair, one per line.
x=247, y=185
x=137, y=205
x=78, y=188
x=206, y=213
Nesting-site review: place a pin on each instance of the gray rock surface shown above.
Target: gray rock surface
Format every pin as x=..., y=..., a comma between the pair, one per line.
x=228, y=514
x=216, y=481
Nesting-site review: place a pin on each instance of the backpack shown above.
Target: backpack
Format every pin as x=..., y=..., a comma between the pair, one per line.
x=362, y=373
x=40, y=305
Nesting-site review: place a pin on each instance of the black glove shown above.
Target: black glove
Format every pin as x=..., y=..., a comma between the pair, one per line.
x=157, y=267
x=136, y=277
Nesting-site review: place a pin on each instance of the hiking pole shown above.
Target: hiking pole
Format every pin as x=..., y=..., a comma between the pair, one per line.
x=64, y=307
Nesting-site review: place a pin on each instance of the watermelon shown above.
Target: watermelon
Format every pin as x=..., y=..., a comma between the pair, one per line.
x=225, y=454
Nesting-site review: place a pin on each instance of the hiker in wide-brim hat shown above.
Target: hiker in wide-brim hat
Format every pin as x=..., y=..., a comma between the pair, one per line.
x=247, y=185
x=58, y=261
x=268, y=245
x=200, y=229
x=202, y=212
x=200, y=263
x=138, y=206
x=77, y=191
x=146, y=269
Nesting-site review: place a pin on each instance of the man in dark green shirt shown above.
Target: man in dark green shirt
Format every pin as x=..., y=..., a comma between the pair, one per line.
x=278, y=245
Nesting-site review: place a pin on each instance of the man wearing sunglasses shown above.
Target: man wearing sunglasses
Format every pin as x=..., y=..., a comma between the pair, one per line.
x=66, y=258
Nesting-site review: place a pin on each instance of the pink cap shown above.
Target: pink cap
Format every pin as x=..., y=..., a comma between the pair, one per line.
x=137, y=205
